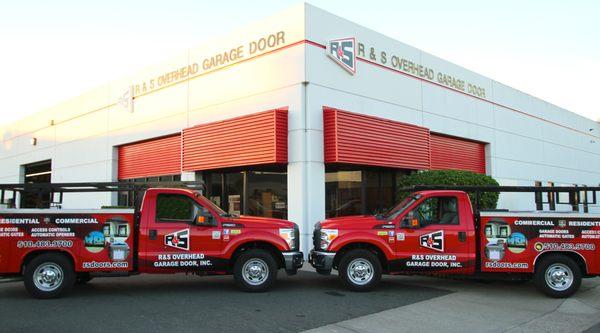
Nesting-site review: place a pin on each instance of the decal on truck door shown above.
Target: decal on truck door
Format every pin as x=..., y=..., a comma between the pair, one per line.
x=179, y=239
x=433, y=240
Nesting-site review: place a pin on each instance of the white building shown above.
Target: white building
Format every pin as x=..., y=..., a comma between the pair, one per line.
x=276, y=127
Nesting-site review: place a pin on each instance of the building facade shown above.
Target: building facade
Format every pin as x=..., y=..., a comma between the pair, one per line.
x=302, y=116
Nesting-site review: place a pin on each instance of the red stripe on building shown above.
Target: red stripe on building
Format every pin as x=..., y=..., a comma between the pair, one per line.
x=259, y=138
x=359, y=139
x=150, y=158
x=459, y=154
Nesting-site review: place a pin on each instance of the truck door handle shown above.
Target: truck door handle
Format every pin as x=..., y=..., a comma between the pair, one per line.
x=462, y=236
x=152, y=234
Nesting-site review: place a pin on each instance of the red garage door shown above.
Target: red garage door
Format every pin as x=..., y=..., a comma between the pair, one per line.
x=454, y=153
x=259, y=138
x=150, y=158
x=359, y=139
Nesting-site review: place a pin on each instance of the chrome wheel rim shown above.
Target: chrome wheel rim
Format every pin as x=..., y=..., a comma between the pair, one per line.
x=360, y=271
x=255, y=271
x=559, y=277
x=48, y=277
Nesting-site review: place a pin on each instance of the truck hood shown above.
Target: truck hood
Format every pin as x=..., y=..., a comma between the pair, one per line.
x=353, y=222
x=259, y=222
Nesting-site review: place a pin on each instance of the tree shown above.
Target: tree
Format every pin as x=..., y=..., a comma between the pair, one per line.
x=489, y=200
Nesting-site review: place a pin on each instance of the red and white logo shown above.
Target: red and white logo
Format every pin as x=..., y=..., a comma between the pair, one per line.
x=343, y=52
x=433, y=240
x=178, y=239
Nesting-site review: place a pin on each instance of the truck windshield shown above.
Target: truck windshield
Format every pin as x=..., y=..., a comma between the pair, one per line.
x=401, y=207
x=212, y=205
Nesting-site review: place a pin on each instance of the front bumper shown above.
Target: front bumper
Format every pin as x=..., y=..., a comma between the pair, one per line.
x=293, y=260
x=321, y=261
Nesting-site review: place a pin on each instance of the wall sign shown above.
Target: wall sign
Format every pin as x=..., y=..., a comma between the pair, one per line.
x=343, y=52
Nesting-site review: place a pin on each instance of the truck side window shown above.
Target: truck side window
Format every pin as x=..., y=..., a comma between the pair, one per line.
x=176, y=207
x=437, y=210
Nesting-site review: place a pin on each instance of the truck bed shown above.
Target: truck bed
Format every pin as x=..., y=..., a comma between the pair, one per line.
x=512, y=241
x=97, y=239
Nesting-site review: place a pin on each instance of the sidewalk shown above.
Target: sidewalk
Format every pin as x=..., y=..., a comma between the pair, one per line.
x=483, y=307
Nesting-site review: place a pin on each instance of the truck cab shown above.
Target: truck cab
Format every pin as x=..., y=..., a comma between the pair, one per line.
x=182, y=231
x=430, y=232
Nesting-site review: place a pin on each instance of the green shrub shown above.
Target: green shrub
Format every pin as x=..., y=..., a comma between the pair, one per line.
x=489, y=200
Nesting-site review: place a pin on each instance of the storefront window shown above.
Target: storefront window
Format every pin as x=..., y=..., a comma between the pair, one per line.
x=343, y=193
x=235, y=189
x=267, y=194
x=249, y=192
x=360, y=191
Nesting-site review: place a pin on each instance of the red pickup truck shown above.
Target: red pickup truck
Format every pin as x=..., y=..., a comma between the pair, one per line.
x=437, y=232
x=173, y=230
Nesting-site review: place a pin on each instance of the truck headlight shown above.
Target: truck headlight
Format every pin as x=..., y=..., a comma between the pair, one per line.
x=290, y=237
x=327, y=235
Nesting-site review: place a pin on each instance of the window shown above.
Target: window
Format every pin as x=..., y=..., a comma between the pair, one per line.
x=176, y=207
x=360, y=191
x=39, y=172
x=257, y=192
x=343, y=192
x=437, y=210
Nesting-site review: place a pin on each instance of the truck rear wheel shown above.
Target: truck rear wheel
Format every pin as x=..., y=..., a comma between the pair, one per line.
x=360, y=270
x=255, y=270
x=558, y=276
x=49, y=275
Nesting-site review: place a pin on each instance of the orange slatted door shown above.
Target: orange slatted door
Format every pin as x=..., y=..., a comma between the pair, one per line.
x=455, y=153
x=255, y=139
x=150, y=158
x=359, y=139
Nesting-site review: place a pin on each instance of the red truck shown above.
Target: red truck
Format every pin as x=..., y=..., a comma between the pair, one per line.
x=172, y=230
x=434, y=231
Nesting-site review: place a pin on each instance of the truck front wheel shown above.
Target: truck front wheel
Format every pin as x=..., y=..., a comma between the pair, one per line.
x=558, y=276
x=360, y=270
x=49, y=275
x=255, y=270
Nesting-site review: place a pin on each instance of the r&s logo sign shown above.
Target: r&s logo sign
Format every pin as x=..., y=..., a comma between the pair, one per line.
x=343, y=52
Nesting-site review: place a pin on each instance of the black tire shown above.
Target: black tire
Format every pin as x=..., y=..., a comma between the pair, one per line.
x=83, y=278
x=560, y=264
x=350, y=280
x=55, y=265
x=265, y=260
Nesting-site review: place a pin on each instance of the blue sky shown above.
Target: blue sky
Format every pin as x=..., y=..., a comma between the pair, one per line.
x=54, y=50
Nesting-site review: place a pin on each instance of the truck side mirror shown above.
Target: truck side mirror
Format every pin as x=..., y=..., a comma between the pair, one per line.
x=204, y=218
x=410, y=221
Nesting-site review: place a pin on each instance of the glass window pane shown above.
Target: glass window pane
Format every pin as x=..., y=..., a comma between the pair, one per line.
x=343, y=193
x=267, y=194
x=438, y=210
x=214, y=187
x=234, y=183
x=174, y=207
x=36, y=173
x=372, y=195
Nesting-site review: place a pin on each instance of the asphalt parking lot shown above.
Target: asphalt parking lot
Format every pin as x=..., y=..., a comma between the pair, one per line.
x=307, y=301
x=158, y=303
